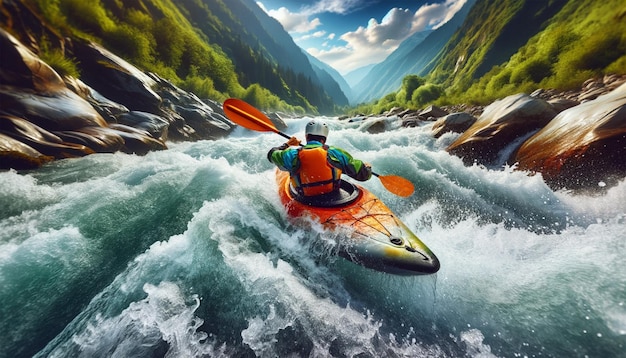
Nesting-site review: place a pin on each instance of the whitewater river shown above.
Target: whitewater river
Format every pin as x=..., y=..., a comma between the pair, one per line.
x=187, y=252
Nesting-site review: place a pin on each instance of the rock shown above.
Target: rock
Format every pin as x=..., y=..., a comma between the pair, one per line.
x=374, y=125
x=591, y=94
x=395, y=111
x=17, y=155
x=501, y=123
x=432, y=112
x=206, y=124
x=97, y=112
x=137, y=141
x=155, y=125
x=99, y=139
x=582, y=147
x=23, y=69
x=109, y=110
x=411, y=120
x=115, y=78
x=561, y=104
x=40, y=139
x=54, y=108
x=278, y=122
x=454, y=122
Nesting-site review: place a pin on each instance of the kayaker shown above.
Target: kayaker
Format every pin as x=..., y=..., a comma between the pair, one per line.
x=315, y=169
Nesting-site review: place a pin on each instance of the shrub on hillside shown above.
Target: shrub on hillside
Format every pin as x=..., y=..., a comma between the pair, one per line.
x=534, y=70
x=426, y=94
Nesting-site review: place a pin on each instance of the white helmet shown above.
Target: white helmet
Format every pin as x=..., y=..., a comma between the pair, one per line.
x=316, y=128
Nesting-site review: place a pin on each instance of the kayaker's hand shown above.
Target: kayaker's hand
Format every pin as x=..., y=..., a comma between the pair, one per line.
x=368, y=167
x=293, y=141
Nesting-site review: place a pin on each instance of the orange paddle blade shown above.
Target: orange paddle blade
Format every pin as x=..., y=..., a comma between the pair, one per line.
x=247, y=116
x=397, y=185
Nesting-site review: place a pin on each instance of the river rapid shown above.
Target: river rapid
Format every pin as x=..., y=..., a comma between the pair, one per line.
x=187, y=252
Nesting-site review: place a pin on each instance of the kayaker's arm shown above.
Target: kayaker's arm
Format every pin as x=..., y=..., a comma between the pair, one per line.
x=284, y=157
x=354, y=168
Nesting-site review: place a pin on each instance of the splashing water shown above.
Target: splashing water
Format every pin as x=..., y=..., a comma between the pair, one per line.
x=188, y=253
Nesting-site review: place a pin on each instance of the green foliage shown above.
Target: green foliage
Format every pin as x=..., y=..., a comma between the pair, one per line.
x=50, y=11
x=533, y=70
x=426, y=94
x=61, y=64
x=600, y=50
x=202, y=87
x=169, y=44
x=409, y=84
x=130, y=43
x=89, y=16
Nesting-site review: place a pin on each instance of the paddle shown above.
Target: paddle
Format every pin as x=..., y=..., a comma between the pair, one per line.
x=249, y=117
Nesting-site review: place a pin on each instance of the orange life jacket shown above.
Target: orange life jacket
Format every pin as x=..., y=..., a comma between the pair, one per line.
x=315, y=176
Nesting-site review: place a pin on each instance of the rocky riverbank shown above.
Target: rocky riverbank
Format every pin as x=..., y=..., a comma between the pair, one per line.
x=575, y=139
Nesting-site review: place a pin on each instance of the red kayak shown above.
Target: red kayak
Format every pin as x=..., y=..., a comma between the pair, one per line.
x=370, y=234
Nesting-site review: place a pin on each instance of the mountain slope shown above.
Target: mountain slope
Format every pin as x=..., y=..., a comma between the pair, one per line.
x=355, y=76
x=283, y=49
x=491, y=34
x=333, y=82
x=240, y=24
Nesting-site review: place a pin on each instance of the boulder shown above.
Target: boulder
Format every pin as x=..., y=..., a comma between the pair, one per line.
x=113, y=102
x=137, y=141
x=277, y=120
x=115, y=78
x=502, y=123
x=17, y=155
x=99, y=139
x=582, y=147
x=432, y=112
x=454, y=122
x=40, y=139
x=155, y=125
x=53, y=109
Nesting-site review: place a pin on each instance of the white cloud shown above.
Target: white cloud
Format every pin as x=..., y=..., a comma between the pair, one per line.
x=292, y=22
x=435, y=15
x=333, y=6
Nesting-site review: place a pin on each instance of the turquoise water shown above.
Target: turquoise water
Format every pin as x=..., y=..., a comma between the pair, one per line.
x=187, y=253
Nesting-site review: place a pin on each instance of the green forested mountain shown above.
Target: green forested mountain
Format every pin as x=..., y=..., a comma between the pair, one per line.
x=557, y=43
x=511, y=46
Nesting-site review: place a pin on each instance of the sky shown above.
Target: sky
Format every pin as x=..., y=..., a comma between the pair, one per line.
x=349, y=34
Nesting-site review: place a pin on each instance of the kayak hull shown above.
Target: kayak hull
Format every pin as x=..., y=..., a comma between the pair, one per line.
x=368, y=232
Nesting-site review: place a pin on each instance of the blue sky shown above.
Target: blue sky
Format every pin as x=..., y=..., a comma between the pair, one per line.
x=349, y=34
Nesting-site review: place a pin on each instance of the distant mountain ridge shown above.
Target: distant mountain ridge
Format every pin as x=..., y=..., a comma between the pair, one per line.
x=333, y=81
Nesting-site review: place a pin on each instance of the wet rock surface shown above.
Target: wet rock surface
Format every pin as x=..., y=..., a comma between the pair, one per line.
x=113, y=107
